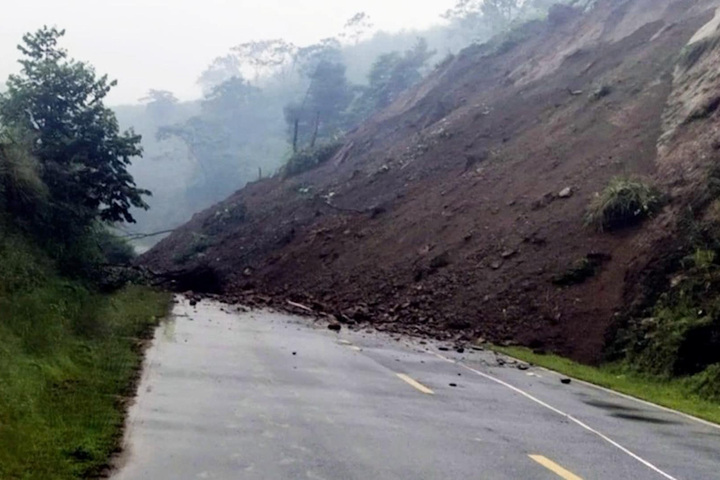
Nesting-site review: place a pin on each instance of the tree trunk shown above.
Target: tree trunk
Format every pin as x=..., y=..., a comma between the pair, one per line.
x=315, y=130
x=295, y=135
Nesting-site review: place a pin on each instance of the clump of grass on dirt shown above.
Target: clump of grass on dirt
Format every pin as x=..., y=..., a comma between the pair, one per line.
x=697, y=395
x=308, y=158
x=68, y=357
x=624, y=202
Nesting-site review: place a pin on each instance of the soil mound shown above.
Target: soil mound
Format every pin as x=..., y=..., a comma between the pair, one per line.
x=458, y=210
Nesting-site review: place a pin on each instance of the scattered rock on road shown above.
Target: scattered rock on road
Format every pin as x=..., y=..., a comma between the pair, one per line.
x=565, y=381
x=523, y=366
x=335, y=327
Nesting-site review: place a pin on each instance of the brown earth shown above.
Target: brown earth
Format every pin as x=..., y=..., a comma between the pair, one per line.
x=442, y=215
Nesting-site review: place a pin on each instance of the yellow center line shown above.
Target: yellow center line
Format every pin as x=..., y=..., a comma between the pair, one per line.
x=415, y=384
x=554, y=467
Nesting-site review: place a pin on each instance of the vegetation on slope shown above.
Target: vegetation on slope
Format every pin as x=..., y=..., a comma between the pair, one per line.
x=624, y=202
x=68, y=357
x=686, y=395
x=70, y=325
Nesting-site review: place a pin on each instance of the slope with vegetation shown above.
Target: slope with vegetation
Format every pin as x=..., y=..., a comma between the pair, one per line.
x=555, y=187
x=70, y=323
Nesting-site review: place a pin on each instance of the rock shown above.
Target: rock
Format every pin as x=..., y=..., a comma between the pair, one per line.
x=247, y=272
x=335, y=327
x=477, y=348
x=523, y=366
x=294, y=353
x=460, y=350
x=565, y=381
x=443, y=349
x=566, y=192
x=453, y=384
x=193, y=302
x=501, y=361
x=508, y=253
x=496, y=265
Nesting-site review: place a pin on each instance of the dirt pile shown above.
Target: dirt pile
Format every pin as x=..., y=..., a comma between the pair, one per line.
x=456, y=211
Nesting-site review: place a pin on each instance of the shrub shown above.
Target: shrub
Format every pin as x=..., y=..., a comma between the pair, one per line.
x=308, y=158
x=691, y=54
x=115, y=250
x=622, y=203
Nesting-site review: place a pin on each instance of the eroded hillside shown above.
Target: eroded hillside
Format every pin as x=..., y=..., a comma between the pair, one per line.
x=456, y=211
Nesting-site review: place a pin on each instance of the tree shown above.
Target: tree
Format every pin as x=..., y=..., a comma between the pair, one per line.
x=83, y=157
x=323, y=111
x=220, y=70
x=160, y=104
x=390, y=75
x=479, y=15
x=356, y=27
x=264, y=57
x=230, y=126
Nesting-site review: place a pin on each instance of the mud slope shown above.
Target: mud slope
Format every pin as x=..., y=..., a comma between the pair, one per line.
x=442, y=215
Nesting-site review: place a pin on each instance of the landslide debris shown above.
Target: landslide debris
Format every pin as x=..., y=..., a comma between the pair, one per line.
x=441, y=215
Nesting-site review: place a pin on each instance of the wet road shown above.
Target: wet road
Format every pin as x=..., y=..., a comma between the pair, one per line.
x=266, y=396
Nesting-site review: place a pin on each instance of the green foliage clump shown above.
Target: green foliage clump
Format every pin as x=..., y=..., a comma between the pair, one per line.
x=683, y=335
x=309, y=158
x=56, y=103
x=581, y=271
x=624, y=202
x=691, y=54
x=390, y=75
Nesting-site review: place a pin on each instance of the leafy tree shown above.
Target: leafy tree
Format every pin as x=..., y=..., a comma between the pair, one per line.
x=75, y=138
x=220, y=70
x=160, y=104
x=264, y=57
x=393, y=73
x=230, y=124
x=323, y=112
x=307, y=59
x=356, y=27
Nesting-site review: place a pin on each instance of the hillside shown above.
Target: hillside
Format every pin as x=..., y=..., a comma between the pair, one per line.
x=443, y=214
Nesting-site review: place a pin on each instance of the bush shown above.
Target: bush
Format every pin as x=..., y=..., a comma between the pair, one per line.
x=114, y=250
x=624, y=202
x=22, y=192
x=308, y=158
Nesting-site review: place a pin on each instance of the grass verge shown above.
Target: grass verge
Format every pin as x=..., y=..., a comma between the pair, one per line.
x=68, y=360
x=678, y=394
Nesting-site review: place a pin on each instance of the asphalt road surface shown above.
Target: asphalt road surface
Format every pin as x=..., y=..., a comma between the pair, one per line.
x=261, y=395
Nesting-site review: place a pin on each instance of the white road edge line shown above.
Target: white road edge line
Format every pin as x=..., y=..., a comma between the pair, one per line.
x=560, y=412
x=629, y=397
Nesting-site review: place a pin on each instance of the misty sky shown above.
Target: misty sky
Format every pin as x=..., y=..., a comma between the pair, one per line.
x=165, y=44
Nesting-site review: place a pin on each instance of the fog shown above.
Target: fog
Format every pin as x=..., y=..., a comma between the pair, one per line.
x=165, y=44
x=227, y=92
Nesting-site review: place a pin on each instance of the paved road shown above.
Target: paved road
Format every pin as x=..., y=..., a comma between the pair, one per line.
x=263, y=395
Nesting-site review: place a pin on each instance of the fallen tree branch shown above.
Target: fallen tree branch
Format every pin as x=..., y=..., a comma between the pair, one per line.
x=138, y=236
x=300, y=306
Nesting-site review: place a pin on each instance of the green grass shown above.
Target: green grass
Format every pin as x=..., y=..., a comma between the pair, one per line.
x=679, y=394
x=68, y=357
x=623, y=202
